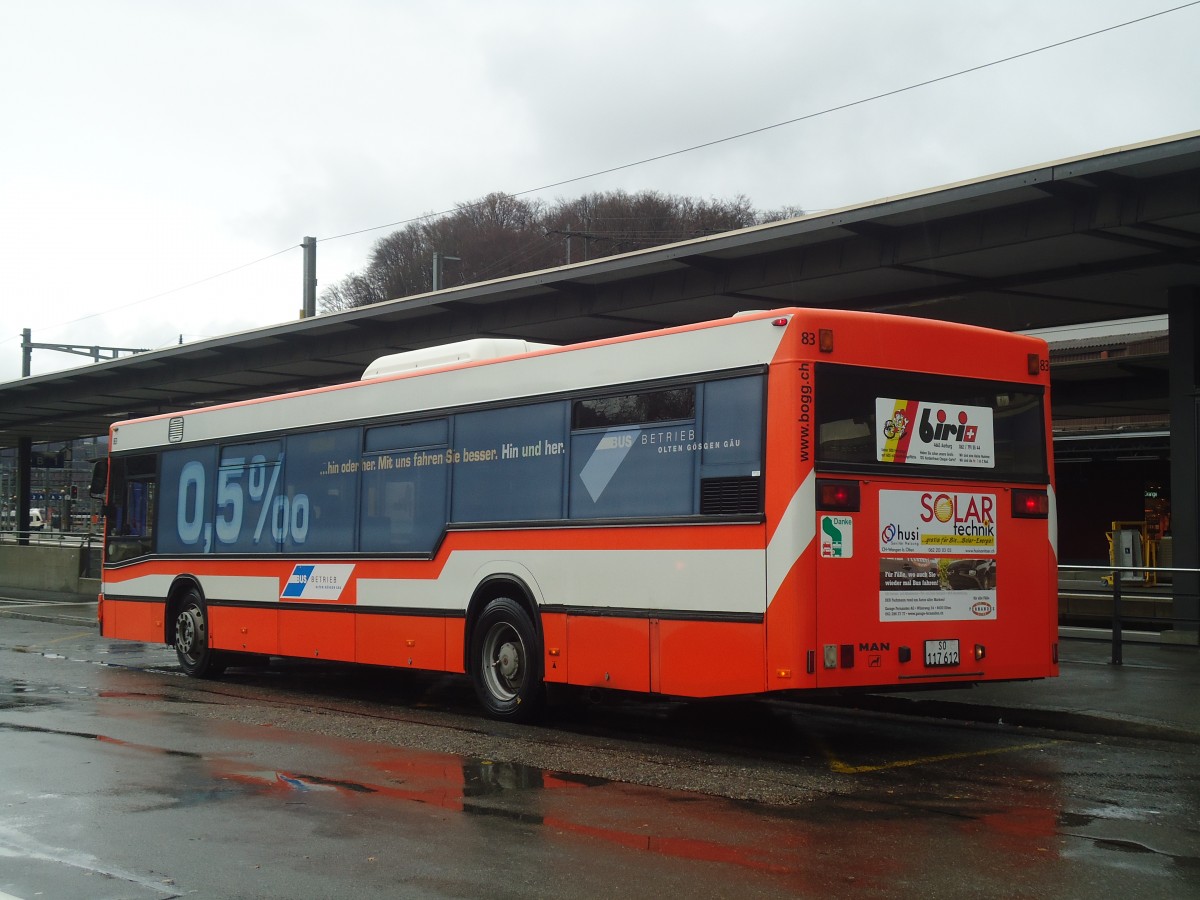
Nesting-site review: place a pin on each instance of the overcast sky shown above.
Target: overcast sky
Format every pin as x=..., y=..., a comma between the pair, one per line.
x=145, y=146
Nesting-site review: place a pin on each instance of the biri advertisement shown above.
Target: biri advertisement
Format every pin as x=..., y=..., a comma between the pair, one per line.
x=934, y=434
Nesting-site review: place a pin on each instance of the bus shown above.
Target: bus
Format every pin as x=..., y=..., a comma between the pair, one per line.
x=781, y=501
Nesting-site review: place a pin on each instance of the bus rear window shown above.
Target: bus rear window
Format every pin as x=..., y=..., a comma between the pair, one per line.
x=877, y=420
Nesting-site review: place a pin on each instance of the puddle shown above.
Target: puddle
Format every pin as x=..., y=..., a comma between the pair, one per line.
x=139, y=695
x=487, y=778
x=127, y=648
x=1074, y=820
x=18, y=693
x=1122, y=846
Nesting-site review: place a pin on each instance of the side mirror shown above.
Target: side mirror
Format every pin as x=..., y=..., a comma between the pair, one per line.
x=99, y=485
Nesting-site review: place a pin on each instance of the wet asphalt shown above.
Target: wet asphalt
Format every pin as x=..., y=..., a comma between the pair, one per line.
x=125, y=779
x=1150, y=694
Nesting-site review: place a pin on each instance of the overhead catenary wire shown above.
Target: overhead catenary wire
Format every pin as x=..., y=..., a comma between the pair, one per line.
x=174, y=290
x=813, y=115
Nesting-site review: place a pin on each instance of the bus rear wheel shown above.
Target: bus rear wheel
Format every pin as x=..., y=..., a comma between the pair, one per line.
x=196, y=656
x=506, y=662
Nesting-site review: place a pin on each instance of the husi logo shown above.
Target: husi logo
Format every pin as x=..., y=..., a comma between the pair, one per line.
x=892, y=532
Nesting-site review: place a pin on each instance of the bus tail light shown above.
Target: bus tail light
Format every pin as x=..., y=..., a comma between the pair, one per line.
x=1027, y=504
x=837, y=496
x=825, y=339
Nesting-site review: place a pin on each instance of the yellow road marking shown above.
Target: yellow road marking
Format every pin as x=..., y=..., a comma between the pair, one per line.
x=836, y=765
x=70, y=637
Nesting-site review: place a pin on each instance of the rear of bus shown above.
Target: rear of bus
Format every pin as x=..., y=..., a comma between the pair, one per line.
x=936, y=557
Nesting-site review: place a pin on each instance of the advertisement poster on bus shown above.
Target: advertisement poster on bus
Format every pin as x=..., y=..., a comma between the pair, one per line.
x=936, y=589
x=919, y=533
x=934, y=434
x=937, y=522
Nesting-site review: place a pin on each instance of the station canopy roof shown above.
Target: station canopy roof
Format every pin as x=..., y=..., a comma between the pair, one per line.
x=1094, y=238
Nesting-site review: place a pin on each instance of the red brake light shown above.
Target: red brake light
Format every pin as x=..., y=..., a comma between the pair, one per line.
x=1027, y=504
x=839, y=496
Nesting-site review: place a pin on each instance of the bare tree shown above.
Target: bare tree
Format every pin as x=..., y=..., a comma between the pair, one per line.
x=351, y=291
x=500, y=235
x=780, y=214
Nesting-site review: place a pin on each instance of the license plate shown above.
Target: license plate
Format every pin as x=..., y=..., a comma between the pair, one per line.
x=941, y=653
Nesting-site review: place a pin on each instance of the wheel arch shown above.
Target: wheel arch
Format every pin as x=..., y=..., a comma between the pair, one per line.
x=180, y=588
x=515, y=588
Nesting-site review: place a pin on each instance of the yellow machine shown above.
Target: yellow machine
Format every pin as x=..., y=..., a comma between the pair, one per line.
x=1130, y=545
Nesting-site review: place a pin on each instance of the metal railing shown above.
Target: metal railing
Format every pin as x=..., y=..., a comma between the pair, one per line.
x=49, y=537
x=1116, y=573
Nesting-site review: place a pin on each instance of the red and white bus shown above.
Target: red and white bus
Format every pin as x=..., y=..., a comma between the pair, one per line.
x=780, y=501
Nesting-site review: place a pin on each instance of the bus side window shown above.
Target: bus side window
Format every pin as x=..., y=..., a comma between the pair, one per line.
x=404, y=481
x=731, y=447
x=319, y=504
x=634, y=455
x=509, y=466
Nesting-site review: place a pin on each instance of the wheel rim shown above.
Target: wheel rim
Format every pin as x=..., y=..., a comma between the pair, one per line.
x=189, y=634
x=503, y=662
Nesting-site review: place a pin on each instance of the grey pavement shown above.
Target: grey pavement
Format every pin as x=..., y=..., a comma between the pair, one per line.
x=48, y=606
x=1154, y=693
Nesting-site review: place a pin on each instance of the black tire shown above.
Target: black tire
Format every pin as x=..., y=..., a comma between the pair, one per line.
x=196, y=657
x=506, y=663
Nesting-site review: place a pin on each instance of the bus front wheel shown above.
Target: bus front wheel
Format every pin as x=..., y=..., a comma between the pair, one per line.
x=506, y=662
x=196, y=656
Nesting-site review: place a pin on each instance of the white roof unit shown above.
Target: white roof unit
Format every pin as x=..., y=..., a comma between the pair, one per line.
x=447, y=354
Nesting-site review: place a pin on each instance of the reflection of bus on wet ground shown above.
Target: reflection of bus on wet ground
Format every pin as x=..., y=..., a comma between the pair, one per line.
x=735, y=507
